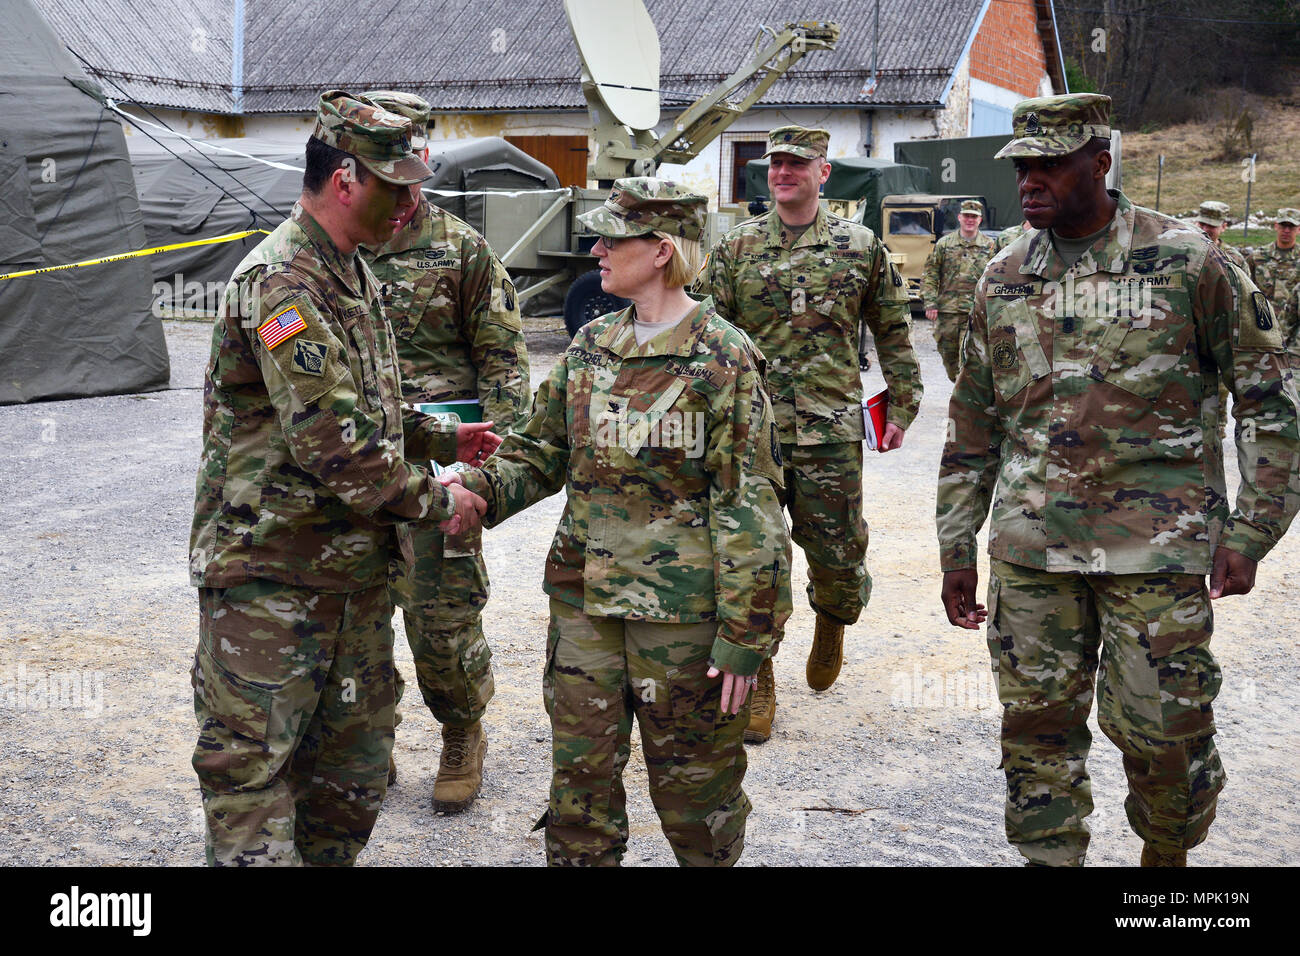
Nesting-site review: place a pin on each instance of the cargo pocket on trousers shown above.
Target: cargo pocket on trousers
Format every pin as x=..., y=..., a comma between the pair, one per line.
x=707, y=744
x=1186, y=676
x=234, y=721
x=548, y=671
x=476, y=662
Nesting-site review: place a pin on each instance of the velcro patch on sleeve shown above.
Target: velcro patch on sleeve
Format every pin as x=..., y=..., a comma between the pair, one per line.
x=281, y=327
x=310, y=357
x=1257, y=326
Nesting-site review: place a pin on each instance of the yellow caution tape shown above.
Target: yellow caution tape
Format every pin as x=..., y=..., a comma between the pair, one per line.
x=230, y=237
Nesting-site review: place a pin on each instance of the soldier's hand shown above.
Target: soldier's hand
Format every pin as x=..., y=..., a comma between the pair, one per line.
x=891, y=439
x=475, y=442
x=931, y=314
x=959, y=599
x=469, y=509
x=734, y=690
x=1233, y=573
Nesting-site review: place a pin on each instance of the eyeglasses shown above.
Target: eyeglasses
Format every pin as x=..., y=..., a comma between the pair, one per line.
x=612, y=241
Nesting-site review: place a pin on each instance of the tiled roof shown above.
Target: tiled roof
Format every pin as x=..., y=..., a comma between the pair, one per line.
x=488, y=54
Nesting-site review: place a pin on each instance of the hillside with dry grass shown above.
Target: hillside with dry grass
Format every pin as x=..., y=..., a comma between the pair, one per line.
x=1203, y=159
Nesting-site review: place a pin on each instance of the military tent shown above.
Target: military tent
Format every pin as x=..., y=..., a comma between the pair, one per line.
x=66, y=195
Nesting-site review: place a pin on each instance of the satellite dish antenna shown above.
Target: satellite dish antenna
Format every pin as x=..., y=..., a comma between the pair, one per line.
x=619, y=49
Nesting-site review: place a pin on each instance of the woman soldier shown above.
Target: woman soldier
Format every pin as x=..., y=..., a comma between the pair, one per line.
x=670, y=570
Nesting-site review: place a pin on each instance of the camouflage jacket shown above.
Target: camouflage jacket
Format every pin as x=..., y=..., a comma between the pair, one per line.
x=304, y=475
x=1276, y=272
x=1234, y=255
x=454, y=310
x=670, y=458
x=1289, y=320
x=1010, y=235
x=1087, y=408
x=952, y=269
x=802, y=307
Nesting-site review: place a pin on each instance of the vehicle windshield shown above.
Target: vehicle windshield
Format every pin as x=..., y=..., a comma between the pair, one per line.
x=909, y=222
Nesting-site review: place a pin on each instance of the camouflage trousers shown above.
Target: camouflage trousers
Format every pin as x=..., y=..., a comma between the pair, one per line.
x=1142, y=641
x=599, y=672
x=823, y=492
x=442, y=596
x=949, y=331
x=293, y=691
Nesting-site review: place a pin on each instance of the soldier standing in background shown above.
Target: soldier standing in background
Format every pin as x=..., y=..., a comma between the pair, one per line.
x=303, y=480
x=800, y=280
x=1212, y=219
x=1110, y=504
x=1011, y=234
x=953, y=267
x=456, y=319
x=1276, y=267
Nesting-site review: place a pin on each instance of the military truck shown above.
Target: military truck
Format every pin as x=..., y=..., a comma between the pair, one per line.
x=910, y=225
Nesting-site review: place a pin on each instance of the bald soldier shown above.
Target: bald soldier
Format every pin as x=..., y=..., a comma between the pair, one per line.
x=800, y=281
x=1082, y=416
x=310, y=462
x=459, y=338
x=953, y=267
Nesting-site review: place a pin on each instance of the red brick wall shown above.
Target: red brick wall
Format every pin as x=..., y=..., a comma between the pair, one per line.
x=1008, y=51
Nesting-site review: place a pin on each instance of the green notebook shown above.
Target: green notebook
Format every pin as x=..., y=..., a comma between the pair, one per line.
x=468, y=409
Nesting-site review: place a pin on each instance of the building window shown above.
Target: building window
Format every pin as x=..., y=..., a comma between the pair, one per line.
x=737, y=150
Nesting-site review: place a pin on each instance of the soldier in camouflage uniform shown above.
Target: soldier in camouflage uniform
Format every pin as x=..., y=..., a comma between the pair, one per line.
x=1211, y=219
x=459, y=336
x=1011, y=234
x=1276, y=267
x=1289, y=324
x=303, y=481
x=800, y=280
x=1085, y=414
x=953, y=267
x=669, y=573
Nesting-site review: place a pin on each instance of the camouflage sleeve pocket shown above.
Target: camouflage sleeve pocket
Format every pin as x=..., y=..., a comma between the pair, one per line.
x=310, y=361
x=1257, y=327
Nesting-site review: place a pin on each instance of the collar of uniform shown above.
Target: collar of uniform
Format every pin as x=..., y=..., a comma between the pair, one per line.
x=818, y=234
x=410, y=236
x=1110, y=253
x=344, y=269
x=620, y=336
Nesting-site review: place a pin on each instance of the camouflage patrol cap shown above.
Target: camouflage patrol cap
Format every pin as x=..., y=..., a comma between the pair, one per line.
x=798, y=141
x=1056, y=125
x=415, y=108
x=972, y=205
x=637, y=206
x=380, y=140
x=1212, y=213
x=1288, y=216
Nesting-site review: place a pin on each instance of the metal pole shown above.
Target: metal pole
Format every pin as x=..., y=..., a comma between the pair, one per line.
x=1250, y=179
x=1160, y=169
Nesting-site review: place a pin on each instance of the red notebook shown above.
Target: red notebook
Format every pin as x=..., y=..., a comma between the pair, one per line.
x=874, y=410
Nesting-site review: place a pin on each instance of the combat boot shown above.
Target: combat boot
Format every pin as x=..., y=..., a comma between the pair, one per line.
x=1153, y=855
x=460, y=769
x=762, y=708
x=827, y=654
x=392, y=770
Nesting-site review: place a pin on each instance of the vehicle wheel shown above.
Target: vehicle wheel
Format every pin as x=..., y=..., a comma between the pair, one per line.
x=586, y=300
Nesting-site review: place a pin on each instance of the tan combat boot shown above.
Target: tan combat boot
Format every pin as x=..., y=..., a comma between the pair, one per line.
x=460, y=770
x=827, y=653
x=762, y=708
x=1153, y=855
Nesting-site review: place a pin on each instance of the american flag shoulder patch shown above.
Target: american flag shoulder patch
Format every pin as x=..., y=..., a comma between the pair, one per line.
x=281, y=327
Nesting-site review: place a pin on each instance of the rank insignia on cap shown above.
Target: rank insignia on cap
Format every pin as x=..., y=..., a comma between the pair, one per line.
x=309, y=357
x=1031, y=125
x=280, y=327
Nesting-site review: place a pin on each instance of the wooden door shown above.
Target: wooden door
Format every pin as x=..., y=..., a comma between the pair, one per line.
x=566, y=155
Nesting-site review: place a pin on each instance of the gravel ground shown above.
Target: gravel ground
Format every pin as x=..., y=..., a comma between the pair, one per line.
x=896, y=764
